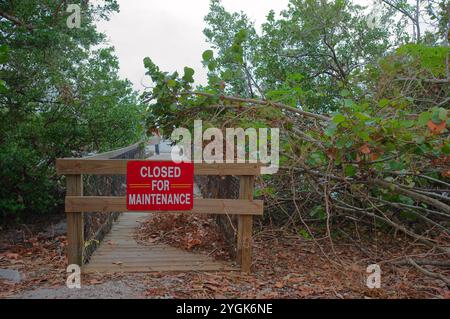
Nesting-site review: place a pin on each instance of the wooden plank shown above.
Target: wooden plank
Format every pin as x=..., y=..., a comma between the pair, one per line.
x=119, y=167
x=167, y=263
x=161, y=257
x=201, y=206
x=245, y=226
x=75, y=226
x=157, y=268
x=149, y=262
x=133, y=257
x=128, y=247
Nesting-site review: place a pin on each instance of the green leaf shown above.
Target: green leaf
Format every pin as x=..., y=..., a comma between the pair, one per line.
x=208, y=55
x=424, y=118
x=3, y=88
x=148, y=62
x=238, y=57
x=171, y=83
x=350, y=170
x=363, y=135
x=4, y=50
x=212, y=66
x=318, y=212
x=340, y=143
x=436, y=118
x=383, y=102
x=419, y=139
x=362, y=116
x=442, y=114
x=317, y=158
x=214, y=80
x=406, y=123
x=446, y=149
x=339, y=118
x=331, y=129
x=406, y=200
x=348, y=103
x=188, y=75
x=240, y=36
x=345, y=93
x=304, y=234
x=396, y=166
x=227, y=75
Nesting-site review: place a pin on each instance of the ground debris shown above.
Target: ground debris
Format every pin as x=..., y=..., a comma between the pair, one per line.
x=284, y=266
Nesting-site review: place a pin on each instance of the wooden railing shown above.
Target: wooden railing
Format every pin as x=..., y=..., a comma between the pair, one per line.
x=97, y=225
x=76, y=204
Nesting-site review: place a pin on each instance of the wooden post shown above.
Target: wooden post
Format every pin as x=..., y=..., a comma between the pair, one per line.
x=75, y=226
x=245, y=226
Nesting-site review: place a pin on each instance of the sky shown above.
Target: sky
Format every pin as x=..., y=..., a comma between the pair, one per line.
x=170, y=32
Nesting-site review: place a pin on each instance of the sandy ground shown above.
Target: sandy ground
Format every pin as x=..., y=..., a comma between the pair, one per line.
x=109, y=290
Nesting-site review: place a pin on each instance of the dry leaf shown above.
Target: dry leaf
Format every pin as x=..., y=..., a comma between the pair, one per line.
x=374, y=156
x=12, y=256
x=365, y=149
x=279, y=284
x=436, y=128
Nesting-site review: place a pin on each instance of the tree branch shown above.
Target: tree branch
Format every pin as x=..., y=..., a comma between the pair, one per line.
x=17, y=21
x=266, y=103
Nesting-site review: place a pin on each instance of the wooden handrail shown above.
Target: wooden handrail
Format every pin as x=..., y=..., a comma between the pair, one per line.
x=114, y=153
x=102, y=204
x=74, y=166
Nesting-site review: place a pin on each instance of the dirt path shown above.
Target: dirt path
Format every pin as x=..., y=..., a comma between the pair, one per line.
x=121, y=289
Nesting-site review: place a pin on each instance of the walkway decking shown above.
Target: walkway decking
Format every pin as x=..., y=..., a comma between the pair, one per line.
x=119, y=252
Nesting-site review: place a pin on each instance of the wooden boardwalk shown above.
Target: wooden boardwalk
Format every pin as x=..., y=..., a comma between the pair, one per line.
x=119, y=252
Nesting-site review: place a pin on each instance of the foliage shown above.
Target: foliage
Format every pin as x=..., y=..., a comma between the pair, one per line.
x=59, y=98
x=372, y=139
x=303, y=58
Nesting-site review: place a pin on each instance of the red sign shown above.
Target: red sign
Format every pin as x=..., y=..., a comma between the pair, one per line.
x=160, y=186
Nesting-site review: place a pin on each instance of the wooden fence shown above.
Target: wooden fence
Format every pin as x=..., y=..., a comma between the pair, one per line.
x=76, y=204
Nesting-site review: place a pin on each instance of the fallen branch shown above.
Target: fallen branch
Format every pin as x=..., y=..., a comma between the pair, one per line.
x=424, y=262
x=400, y=190
x=429, y=273
x=265, y=103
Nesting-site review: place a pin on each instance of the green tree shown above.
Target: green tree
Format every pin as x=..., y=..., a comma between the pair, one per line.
x=58, y=98
x=306, y=57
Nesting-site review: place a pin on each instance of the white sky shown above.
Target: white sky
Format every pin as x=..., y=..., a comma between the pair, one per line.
x=170, y=32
